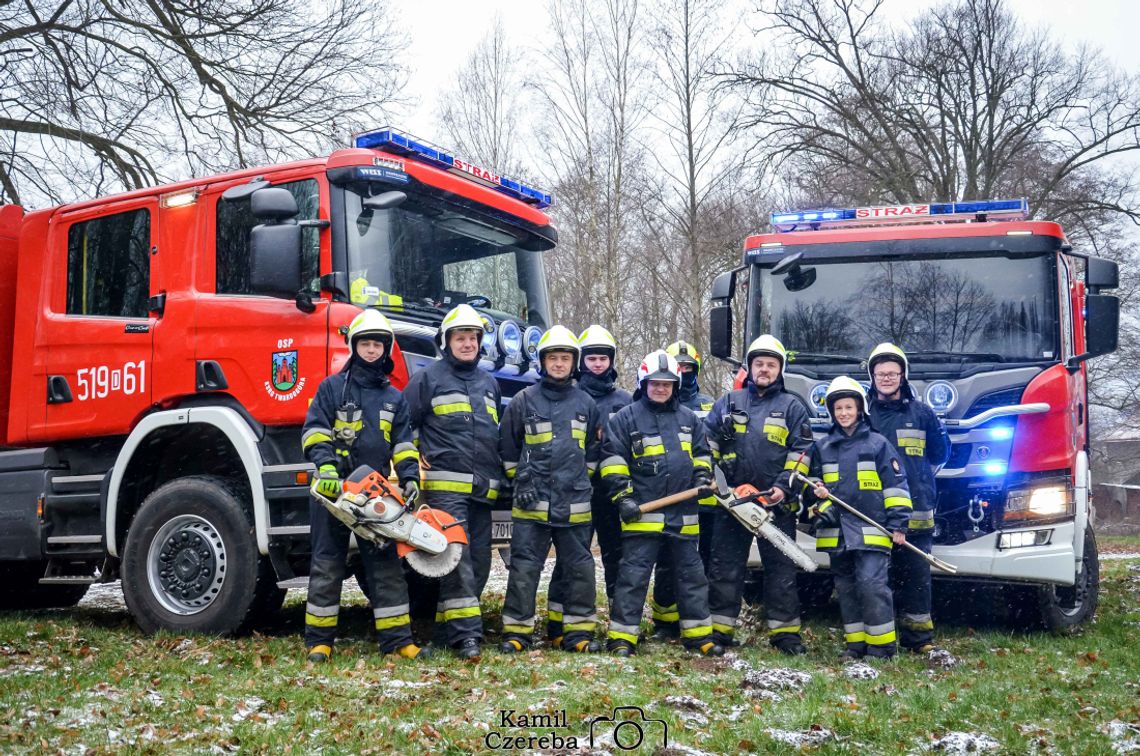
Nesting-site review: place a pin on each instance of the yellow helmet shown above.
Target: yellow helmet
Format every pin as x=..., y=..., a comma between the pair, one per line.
x=370, y=323
x=598, y=337
x=887, y=351
x=558, y=339
x=684, y=352
x=844, y=387
x=766, y=344
x=462, y=317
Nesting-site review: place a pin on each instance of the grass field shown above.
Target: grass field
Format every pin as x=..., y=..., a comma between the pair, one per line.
x=86, y=681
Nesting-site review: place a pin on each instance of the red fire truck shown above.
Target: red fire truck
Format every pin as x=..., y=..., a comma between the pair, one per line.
x=159, y=350
x=998, y=316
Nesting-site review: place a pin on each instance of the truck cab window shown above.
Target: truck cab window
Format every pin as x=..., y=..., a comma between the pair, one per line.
x=108, y=265
x=234, y=223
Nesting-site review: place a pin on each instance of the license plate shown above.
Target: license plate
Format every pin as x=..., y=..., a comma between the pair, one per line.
x=501, y=531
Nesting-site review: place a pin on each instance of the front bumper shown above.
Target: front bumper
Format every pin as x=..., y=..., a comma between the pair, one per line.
x=1053, y=562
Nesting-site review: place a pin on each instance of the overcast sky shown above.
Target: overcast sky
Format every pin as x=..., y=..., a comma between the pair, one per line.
x=442, y=38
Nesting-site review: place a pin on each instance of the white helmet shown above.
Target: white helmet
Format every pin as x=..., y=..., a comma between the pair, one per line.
x=769, y=345
x=658, y=366
x=558, y=339
x=597, y=337
x=887, y=351
x=844, y=387
x=370, y=323
x=462, y=317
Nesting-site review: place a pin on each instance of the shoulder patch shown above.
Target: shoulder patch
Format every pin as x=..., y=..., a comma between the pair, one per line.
x=686, y=429
x=581, y=417
x=895, y=465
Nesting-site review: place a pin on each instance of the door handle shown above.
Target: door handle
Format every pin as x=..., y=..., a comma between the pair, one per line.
x=210, y=376
x=59, y=391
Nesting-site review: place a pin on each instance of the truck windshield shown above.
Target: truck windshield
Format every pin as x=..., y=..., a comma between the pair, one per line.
x=944, y=310
x=426, y=256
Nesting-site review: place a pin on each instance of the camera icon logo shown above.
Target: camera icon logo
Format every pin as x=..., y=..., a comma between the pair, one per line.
x=629, y=729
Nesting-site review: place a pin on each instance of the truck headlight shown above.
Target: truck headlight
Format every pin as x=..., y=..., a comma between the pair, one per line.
x=1044, y=502
x=510, y=339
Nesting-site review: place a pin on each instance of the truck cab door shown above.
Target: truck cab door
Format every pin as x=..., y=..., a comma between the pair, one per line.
x=269, y=354
x=94, y=339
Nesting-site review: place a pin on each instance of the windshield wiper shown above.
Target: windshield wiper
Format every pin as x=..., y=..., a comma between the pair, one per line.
x=822, y=358
x=938, y=356
x=427, y=309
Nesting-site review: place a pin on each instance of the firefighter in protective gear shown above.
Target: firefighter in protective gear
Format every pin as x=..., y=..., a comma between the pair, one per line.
x=596, y=376
x=862, y=468
x=654, y=448
x=664, y=604
x=758, y=434
x=550, y=446
x=454, y=409
x=358, y=418
x=923, y=446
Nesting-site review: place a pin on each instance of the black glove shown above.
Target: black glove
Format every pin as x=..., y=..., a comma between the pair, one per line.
x=726, y=432
x=526, y=494
x=628, y=510
x=826, y=516
x=702, y=478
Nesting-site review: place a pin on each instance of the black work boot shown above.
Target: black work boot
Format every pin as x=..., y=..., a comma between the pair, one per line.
x=790, y=646
x=621, y=648
x=512, y=646
x=468, y=648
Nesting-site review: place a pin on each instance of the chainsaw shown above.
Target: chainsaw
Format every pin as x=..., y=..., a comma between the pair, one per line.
x=751, y=509
x=430, y=540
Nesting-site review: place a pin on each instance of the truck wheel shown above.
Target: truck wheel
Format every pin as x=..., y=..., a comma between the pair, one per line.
x=190, y=564
x=21, y=588
x=1064, y=607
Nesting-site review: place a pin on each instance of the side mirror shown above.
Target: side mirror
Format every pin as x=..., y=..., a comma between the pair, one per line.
x=1101, y=274
x=275, y=245
x=720, y=316
x=720, y=332
x=1102, y=327
x=384, y=201
x=275, y=259
x=273, y=204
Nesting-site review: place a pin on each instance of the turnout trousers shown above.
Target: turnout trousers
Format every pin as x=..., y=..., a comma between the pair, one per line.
x=865, y=601
x=572, y=614
x=639, y=554
x=457, y=612
x=386, y=588
x=910, y=577
x=730, y=568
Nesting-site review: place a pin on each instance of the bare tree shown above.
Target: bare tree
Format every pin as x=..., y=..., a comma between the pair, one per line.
x=98, y=95
x=592, y=95
x=480, y=113
x=965, y=104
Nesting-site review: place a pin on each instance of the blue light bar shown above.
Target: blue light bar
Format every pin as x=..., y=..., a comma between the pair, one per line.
x=390, y=140
x=809, y=220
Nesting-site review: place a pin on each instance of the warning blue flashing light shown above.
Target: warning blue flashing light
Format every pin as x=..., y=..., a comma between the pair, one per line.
x=394, y=141
x=1001, y=433
x=807, y=220
x=994, y=468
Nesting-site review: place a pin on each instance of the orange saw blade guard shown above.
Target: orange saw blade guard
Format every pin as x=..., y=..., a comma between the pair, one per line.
x=441, y=521
x=365, y=480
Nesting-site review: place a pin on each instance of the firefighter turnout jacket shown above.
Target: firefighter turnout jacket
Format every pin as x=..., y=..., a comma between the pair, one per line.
x=455, y=409
x=922, y=444
x=550, y=439
x=863, y=470
x=653, y=450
